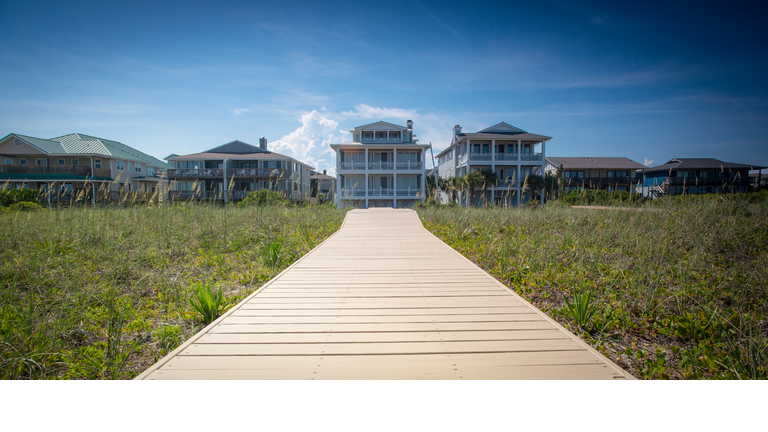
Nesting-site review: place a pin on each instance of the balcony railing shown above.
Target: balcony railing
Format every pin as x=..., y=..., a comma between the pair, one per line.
x=352, y=165
x=352, y=193
x=381, y=165
x=409, y=165
x=77, y=170
x=505, y=183
x=194, y=173
x=480, y=156
x=462, y=158
x=530, y=157
x=381, y=192
x=408, y=192
x=506, y=156
x=255, y=172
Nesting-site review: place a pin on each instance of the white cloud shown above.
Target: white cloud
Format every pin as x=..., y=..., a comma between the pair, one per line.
x=369, y=112
x=239, y=111
x=647, y=162
x=310, y=143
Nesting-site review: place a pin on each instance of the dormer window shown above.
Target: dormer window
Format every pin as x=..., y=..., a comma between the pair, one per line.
x=16, y=142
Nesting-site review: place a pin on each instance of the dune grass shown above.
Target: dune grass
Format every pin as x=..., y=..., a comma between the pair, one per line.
x=104, y=293
x=676, y=293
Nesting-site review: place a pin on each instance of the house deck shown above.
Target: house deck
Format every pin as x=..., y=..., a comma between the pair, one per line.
x=384, y=299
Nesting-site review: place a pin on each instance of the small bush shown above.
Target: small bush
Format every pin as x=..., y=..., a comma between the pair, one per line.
x=26, y=206
x=9, y=197
x=264, y=197
x=209, y=303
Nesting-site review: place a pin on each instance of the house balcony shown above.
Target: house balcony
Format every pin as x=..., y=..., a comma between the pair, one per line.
x=480, y=156
x=599, y=181
x=18, y=171
x=507, y=183
x=709, y=181
x=255, y=172
x=381, y=166
x=506, y=156
x=462, y=158
x=406, y=166
x=530, y=157
x=174, y=174
x=357, y=193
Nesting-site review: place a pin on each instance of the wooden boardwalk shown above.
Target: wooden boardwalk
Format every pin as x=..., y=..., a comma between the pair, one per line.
x=384, y=299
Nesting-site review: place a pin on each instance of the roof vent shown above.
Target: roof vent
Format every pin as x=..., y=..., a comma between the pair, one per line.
x=263, y=143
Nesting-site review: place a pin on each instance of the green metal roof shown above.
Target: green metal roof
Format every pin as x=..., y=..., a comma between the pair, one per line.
x=77, y=143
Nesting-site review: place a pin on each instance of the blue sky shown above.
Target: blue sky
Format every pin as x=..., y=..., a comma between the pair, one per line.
x=649, y=82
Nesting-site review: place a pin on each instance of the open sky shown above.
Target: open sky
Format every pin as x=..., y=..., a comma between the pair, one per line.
x=649, y=82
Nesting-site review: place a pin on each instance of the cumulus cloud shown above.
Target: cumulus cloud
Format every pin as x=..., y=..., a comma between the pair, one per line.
x=370, y=112
x=647, y=162
x=310, y=142
x=239, y=111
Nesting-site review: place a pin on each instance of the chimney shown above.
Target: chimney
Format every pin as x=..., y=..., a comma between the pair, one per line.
x=456, y=130
x=323, y=171
x=263, y=143
x=409, y=124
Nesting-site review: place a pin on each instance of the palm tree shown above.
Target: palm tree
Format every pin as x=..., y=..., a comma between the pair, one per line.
x=473, y=180
x=535, y=182
x=489, y=178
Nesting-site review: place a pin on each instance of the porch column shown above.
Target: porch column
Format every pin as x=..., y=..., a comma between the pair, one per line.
x=469, y=154
x=338, y=179
x=394, y=186
x=423, y=182
x=493, y=187
x=519, y=149
x=493, y=150
x=366, y=160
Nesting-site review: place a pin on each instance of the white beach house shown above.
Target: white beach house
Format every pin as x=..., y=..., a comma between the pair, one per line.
x=383, y=166
x=510, y=152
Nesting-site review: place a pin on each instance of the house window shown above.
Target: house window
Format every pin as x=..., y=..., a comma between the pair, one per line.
x=97, y=162
x=119, y=165
x=16, y=142
x=130, y=167
x=75, y=161
x=150, y=171
x=138, y=168
x=9, y=161
x=22, y=161
x=295, y=186
x=610, y=174
x=61, y=161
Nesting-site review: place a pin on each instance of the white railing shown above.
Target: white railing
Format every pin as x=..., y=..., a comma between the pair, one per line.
x=410, y=166
x=408, y=192
x=480, y=156
x=349, y=193
x=462, y=158
x=531, y=157
x=381, y=192
x=506, y=156
x=352, y=165
x=381, y=165
x=504, y=183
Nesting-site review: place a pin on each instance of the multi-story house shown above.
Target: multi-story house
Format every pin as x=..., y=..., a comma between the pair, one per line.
x=510, y=152
x=75, y=162
x=609, y=173
x=231, y=171
x=696, y=176
x=322, y=184
x=383, y=166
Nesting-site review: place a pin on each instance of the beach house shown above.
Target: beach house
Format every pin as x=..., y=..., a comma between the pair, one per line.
x=231, y=171
x=510, y=152
x=608, y=173
x=70, y=164
x=697, y=176
x=383, y=166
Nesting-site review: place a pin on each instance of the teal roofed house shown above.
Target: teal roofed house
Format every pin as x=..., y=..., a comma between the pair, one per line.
x=72, y=161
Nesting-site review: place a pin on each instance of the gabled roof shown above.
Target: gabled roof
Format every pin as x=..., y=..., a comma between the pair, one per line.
x=81, y=144
x=237, y=147
x=379, y=122
x=502, y=127
x=700, y=163
x=322, y=177
x=595, y=163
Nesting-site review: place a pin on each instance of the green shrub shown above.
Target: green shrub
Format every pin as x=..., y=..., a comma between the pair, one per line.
x=264, y=197
x=26, y=206
x=9, y=197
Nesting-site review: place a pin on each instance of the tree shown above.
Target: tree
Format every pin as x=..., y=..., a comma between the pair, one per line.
x=472, y=180
x=535, y=182
x=489, y=178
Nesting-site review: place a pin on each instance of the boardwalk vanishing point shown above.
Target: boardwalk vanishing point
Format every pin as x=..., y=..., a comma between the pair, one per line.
x=383, y=298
